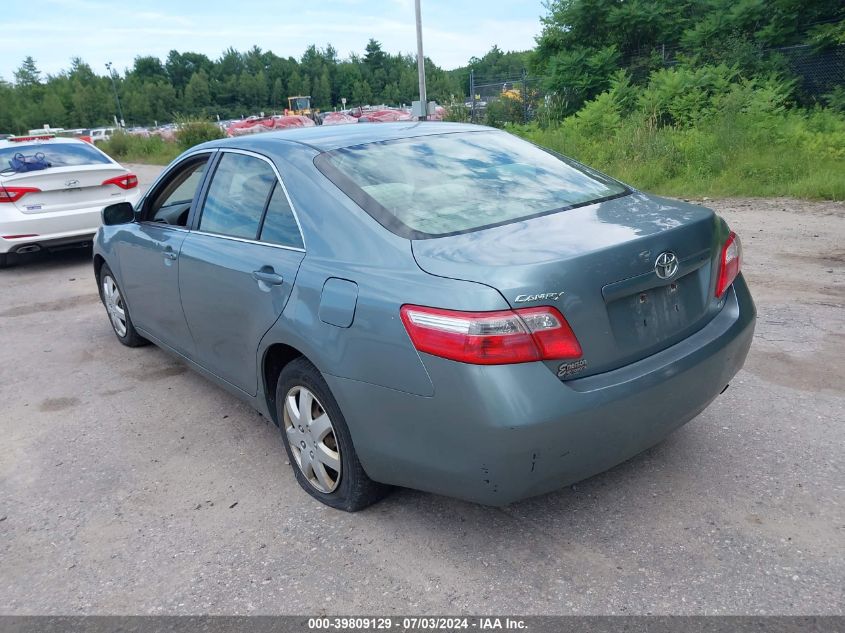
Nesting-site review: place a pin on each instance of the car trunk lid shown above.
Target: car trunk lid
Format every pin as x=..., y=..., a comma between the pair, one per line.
x=596, y=264
x=66, y=188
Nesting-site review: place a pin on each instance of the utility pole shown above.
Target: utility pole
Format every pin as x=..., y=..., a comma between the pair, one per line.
x=421, y=62
x=524, y=98
x=472, y=95
x=116, y=98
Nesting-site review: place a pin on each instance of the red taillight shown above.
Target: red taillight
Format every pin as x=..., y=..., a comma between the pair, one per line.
x=13, y=194
x=491, y=338
x=730, y=262
x=36, y=137
x=126, y=181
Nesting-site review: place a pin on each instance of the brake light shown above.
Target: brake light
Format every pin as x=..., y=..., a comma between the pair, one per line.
x=491, y=338
x=13, y=194
x=729, y=263
x=126, y=181
x=34, y=137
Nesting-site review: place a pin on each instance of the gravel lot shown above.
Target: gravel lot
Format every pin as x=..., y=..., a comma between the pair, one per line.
x=130, y=485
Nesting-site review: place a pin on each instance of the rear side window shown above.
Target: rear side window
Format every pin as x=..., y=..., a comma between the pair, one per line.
x=55, y=154
x=237, y=196
x=280, y=225
x=443, y=184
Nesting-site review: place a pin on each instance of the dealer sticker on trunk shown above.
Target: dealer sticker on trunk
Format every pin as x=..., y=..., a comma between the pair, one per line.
x=567, y=370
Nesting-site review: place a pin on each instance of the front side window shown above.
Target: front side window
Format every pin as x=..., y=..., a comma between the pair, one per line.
x=444, y=184
x=172, y=199
x=237, y=196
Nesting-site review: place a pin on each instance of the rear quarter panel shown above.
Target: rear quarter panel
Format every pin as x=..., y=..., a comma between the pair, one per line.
x=343, y=242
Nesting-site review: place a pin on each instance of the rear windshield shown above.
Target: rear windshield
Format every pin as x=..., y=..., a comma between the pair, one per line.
x=54, y=155
x=431, y=186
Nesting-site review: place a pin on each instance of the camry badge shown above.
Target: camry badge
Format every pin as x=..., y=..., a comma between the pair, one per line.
x=545, y=296
x=666, y=265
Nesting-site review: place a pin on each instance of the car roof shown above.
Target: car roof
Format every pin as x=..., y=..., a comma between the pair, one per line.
x=329, y=137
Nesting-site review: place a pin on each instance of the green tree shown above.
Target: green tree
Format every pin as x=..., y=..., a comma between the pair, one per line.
x=148, y=68
x=262, y=91
x=198, y=94
x=181, y=67
x=362, y=93
x=322, y=93
x=28, y=75
x=54, y=111
x=375, y=57
x=495, y=64
x=348, y=74
x=296, y=85
x=8, y=108
x=277, y=97
x=580, y=74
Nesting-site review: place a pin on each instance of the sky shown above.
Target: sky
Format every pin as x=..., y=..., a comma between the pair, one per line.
x=99, y=31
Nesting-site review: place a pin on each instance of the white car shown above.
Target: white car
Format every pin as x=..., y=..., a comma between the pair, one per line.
x=101, y=134
x=52, y=191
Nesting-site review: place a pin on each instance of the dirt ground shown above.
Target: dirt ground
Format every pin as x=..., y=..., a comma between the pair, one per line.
x=130, y=485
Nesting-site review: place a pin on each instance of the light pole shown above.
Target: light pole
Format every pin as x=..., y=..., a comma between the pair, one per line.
x=421, y=62
x=116, y=98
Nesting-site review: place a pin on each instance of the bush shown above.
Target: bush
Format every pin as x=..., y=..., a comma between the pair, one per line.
x=705, y=132
x=190, y=133
x=742, y=150
x=598, y=118
x=504, y=110
x=457, y=112
x=683, y=96
x=139, y=149
x=836, y=99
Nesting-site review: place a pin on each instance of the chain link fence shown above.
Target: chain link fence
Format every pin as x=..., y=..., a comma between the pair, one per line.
x=517, y=98
x=513, y=99
x=818, y=72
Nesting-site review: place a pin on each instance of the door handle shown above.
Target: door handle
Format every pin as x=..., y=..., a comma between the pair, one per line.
x=269, y=277
x=169, y=255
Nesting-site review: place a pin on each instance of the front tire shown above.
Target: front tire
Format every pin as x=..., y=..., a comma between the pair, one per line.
x=318, y=442
x=117, y=310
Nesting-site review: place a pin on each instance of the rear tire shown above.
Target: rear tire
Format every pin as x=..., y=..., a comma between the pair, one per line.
x=117, y=310
x=318, y=442
x=4, y=260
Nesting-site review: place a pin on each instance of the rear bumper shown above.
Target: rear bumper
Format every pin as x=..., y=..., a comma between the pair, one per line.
x=50, y=229
x=41, y=242
x=495, y=435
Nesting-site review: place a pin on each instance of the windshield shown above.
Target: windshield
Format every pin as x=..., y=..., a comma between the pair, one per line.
x=54, y=155
x=431, y=186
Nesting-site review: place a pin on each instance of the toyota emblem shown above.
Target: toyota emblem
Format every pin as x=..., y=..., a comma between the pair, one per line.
x=666, y=265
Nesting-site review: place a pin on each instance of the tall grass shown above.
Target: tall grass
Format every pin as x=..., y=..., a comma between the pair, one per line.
x=705, y=133
x=803, y=158
x=153, y=150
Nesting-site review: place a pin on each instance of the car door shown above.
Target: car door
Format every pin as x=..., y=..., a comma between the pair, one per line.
x=238, y=265
x=149, y=257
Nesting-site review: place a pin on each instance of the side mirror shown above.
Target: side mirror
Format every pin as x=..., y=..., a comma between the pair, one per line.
x=120, y=213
